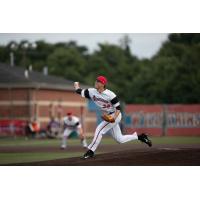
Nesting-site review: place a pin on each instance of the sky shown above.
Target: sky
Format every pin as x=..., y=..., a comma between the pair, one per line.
x=143, y=45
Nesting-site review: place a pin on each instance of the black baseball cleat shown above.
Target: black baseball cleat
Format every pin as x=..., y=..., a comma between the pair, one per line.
x=88, y=154
x=144, y=138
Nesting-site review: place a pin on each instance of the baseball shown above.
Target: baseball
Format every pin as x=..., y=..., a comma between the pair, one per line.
x=76, y=85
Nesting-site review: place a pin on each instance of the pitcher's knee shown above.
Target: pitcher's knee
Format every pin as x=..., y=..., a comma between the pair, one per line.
x=120, y=140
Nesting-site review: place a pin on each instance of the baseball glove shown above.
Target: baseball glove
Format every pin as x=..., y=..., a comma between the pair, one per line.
x=108, y=118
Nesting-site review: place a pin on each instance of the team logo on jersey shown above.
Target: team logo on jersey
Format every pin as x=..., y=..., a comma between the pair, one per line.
x=99, y=99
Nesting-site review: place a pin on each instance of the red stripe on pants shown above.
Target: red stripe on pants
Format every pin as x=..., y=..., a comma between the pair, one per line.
x=98, y=135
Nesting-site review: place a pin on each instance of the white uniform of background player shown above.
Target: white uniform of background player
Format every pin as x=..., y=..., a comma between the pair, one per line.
x=108, y=102
x=71, y=124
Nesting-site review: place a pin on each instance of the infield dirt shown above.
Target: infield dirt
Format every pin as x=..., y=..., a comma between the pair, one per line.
x=128, y=155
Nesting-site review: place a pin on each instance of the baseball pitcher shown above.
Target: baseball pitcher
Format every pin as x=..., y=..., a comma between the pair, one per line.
x=109, y=104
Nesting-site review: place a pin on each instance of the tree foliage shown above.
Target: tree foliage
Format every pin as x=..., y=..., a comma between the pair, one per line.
x=171, y=76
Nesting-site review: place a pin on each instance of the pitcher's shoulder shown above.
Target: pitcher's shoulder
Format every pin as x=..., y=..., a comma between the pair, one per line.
x=92, y=90
x=110, y=93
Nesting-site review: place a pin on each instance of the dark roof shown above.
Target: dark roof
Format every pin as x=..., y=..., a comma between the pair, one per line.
x=14, y=77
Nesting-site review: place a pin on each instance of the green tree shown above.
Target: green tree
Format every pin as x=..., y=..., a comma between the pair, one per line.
x=171, y=76
x=68, y=63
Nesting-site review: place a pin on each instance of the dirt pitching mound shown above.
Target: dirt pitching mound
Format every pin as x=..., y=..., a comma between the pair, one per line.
x=168, y=156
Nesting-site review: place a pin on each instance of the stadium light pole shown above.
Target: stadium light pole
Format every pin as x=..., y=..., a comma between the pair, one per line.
x=13, y=46
x=12, y=62
x=24, y=46
x=34, y=45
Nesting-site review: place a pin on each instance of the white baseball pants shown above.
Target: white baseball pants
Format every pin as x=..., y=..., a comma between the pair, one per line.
x=104, y=127
x=66, y=134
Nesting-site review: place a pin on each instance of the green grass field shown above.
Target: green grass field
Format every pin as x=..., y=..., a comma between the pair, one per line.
x=9, y=142
x=6, y=158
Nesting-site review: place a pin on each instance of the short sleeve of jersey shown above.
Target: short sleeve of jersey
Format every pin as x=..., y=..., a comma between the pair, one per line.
x=76, y=120
x=114, y=100
x=87, y=93
x=64, y=119
x=112, y=95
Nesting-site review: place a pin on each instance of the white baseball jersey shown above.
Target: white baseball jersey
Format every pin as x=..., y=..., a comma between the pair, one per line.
x=71, y=124
x=107, y=100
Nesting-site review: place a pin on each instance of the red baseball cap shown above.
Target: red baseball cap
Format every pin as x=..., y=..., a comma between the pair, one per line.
x=69, y=113
x=102, y=79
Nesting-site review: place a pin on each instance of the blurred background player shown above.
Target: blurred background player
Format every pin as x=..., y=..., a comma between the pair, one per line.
x=109, y=105
x=53, y=128
x=71, y=124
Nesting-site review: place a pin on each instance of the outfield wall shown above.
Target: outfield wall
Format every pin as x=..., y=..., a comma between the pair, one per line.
x=163, y=120
x=156, y=120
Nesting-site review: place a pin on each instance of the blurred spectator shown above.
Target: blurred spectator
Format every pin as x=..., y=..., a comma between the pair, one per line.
x=28, y=130
x=34, y=127
x=53, y=128
x=12, y=129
